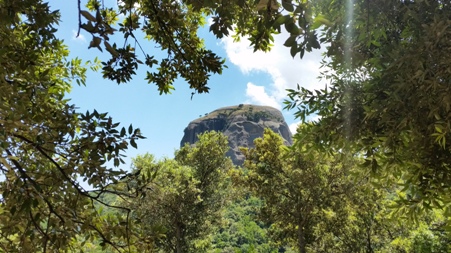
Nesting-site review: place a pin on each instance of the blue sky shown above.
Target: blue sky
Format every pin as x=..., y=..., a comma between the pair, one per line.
x=256, y=78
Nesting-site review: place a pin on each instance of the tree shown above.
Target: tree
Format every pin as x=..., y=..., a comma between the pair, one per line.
x=387, y=56
x=388, y=93
x=46, y=146
x=173, y=25
x=316, y=203
x=186, y=195
x=296, y=190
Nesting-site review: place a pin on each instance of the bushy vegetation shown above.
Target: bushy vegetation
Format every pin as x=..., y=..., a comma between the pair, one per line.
x=281, y=200
x=371, y=175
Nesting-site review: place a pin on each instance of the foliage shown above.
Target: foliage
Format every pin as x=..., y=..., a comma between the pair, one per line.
x=314, y=204
x=388, y=93
x=46, y=147
x=241, y=231
x=173, y=26
x=186, y=195
x=387, y=103
x=295, y=190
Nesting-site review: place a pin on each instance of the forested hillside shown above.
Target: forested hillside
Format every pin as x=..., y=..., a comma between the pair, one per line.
x=281, y=200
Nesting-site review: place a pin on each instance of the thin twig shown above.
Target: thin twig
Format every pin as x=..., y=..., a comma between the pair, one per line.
x=79, y=18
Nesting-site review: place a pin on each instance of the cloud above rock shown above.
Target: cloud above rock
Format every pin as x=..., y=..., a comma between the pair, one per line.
x=284, y=71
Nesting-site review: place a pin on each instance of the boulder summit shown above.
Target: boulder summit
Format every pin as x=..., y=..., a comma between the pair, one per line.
x=241, y=124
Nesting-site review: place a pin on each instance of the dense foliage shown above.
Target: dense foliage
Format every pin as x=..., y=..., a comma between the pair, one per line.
x=315, y=203
x=47, y=148
x=283, y=200
x=186, y=195
x=387, y=95
x=386, y=107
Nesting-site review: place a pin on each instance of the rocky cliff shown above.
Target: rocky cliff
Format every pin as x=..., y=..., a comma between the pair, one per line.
x=241, y=124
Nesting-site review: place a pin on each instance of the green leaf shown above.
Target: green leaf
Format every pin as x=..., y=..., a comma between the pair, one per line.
x=288, y=5
x=320, y=20
x=291, y=41
x=282, y=20
x=133, y=143
x=292, y=28
x=294, y=50
x=110, y=49
x=88, y=16
x=439, y=128
x=95, y=42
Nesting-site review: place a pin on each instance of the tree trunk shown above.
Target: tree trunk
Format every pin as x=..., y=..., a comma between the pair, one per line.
x=178, y=242
x=301, y=238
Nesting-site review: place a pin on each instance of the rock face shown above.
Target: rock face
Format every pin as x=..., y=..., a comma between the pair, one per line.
x=241, y=124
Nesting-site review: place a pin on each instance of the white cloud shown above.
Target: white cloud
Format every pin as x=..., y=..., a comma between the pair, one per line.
x=80, y=37
x=294, y=126
x=258, y=95
x=285, y=72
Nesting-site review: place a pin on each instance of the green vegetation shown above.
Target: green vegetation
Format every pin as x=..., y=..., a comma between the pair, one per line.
x=371, y=175
x=314, y=204
x=282, y=200
x=252, y=113
x=388, y=94
x=182, y=203
x=257, y=115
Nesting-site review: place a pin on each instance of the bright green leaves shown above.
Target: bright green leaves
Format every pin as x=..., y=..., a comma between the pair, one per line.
x=440, y=135
x=320, y=20
x=186, y=194
x=297, y=190
x=309, y=199
x=174, y=26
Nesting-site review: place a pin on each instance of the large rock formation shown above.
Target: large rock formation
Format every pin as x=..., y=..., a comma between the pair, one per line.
x=241, y=124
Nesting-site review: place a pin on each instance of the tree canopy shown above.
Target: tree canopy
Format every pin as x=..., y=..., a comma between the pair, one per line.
x=387, y=93
x=186, y=195
x=315, y=203
x=47, y=147
x=387, y=102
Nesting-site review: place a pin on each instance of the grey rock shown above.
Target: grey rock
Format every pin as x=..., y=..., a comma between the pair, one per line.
x=242, y=124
